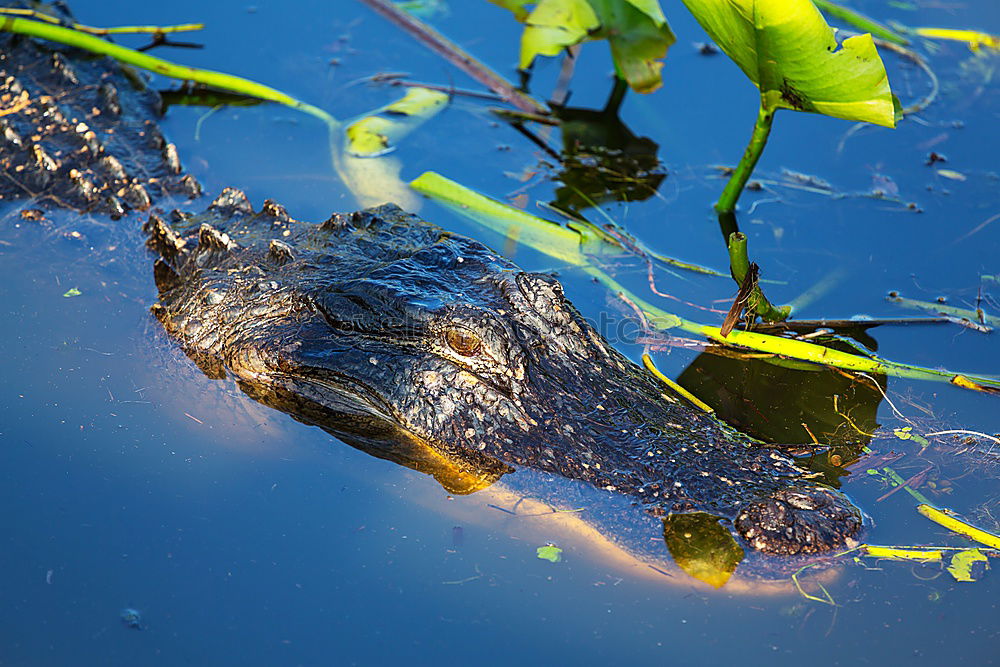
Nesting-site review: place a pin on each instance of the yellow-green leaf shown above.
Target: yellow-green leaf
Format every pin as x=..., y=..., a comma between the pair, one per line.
x=554, y=25
x=636, y=30
x=962, y=562
x=788, y=50
x=71, y=292
x=549, y=552
x=639, y=38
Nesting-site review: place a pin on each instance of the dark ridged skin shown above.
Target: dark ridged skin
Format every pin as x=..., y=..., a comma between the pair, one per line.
x=415, y=344
x=380, y=321
x=87, y=139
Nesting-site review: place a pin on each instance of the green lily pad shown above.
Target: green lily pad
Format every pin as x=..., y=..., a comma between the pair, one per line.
x=549, y=552
x=788, y=51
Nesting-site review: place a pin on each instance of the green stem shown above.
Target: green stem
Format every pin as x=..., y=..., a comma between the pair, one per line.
x=739, y=264
x=731, y=193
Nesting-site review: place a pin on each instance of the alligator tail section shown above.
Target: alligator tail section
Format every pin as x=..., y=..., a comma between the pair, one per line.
x=81, y=132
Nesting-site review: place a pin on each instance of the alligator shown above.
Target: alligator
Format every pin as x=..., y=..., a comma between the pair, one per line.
x=410, y=342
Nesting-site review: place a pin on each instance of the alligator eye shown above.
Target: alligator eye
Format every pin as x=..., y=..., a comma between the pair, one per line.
x=464, y=342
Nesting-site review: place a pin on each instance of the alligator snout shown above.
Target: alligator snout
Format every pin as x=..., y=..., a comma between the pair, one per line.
x=800, y=521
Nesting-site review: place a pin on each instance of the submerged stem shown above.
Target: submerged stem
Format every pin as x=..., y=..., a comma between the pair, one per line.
x=731, y=193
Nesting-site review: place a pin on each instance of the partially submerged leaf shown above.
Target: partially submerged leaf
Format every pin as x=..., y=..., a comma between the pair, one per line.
x=378, y=132
x=702, y=547
x=962, y=564
x=361, y=159
x=788, y=51
x=906, y=433
x=549, y=552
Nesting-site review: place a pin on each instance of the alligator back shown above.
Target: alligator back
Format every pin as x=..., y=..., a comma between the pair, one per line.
x=80, y=132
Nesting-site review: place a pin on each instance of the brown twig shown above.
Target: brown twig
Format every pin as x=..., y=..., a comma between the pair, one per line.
x=811, y=325
x=456, y=55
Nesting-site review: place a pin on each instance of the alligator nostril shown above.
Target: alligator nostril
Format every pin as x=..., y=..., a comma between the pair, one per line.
x=799, y=522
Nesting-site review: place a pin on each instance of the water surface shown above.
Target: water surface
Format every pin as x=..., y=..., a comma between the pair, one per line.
x=130, y=480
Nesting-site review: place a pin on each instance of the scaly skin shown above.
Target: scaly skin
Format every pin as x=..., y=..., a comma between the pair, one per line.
x=389, y=331
x=378, y=321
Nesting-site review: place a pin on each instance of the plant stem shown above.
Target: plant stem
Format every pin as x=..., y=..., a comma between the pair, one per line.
x=456, y=55
x=733, y=189
x=757, y=303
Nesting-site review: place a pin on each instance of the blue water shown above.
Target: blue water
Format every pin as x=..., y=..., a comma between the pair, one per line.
x=131, y=481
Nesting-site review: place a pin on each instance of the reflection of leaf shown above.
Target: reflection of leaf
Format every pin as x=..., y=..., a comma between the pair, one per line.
x=702, y=547
x=363, y=165
x=549, y=552
x=378, y=132
x=790, y=53
x=636, y=30
x=963, y=562
x=772, y=402
x=604, y=161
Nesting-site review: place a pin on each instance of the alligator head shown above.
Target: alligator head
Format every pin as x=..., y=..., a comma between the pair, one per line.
x=386, y=329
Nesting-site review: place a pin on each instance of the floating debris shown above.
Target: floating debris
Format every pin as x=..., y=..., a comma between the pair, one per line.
x=131, y=618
